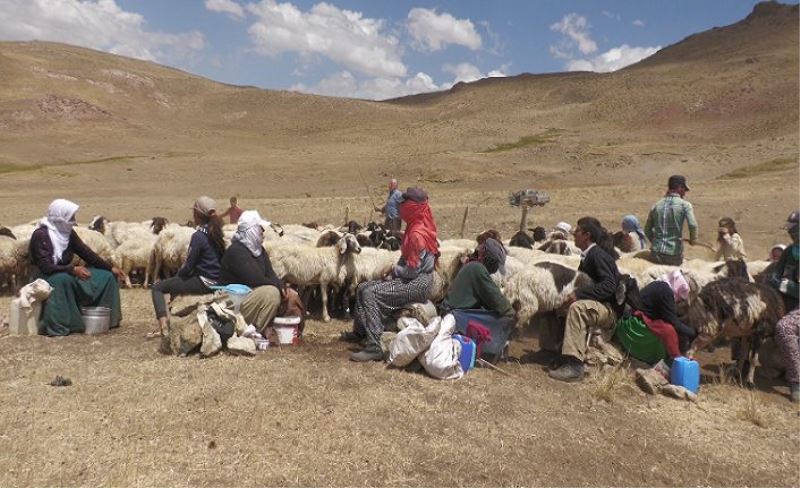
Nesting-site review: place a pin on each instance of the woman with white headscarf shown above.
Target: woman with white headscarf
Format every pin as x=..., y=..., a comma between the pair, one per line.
x=52, y=249
x=246, y=262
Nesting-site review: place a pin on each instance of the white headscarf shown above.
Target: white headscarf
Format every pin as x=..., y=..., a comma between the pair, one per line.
x=250, y=232
x=59, y=222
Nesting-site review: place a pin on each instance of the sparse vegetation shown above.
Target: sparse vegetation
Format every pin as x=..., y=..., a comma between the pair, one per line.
x=753, y=410
x=14, y=168
x=771, y=166
x=535, y=140
x=607, y=383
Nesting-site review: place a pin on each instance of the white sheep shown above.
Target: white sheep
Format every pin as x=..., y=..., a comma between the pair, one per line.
x=96, y=241
x=24, y=231
x=8, y=262
x=304, y=265
x=135, y=254
x=170, y=250
x=542, y=287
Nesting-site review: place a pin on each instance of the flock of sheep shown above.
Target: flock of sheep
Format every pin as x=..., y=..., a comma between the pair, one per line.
x=340, y=258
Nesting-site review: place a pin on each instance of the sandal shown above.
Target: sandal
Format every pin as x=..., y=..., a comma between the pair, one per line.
x=153, y=334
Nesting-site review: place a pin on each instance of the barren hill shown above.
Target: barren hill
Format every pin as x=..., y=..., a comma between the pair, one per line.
x=717, y=102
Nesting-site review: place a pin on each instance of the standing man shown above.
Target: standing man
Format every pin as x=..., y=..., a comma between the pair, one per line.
x=233, y=212
x=590, y=306
x=392, y=207
x=664, y=227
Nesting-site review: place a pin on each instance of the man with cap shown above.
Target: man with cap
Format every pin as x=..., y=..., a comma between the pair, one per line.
x=664, y=227
x=784, y=278
x=392, y=207
x=473, y=286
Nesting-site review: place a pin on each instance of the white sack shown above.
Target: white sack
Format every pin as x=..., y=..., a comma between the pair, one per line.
x=36, y=291
x=412, y=340
x=441, y=358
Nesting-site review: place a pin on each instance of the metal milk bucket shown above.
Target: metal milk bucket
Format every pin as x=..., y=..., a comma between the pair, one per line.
x=96, y=319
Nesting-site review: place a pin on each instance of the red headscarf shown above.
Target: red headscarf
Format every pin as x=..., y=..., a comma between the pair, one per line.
x=420, y=231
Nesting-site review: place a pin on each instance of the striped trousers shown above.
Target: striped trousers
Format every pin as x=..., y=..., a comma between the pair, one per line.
x=378, y=299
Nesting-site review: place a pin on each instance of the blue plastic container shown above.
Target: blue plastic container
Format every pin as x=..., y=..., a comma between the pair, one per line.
x=500, y=328
x=468, y=352
x=685, y=372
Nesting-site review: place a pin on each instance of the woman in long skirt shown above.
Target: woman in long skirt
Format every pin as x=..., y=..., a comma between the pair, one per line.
x=52, y=248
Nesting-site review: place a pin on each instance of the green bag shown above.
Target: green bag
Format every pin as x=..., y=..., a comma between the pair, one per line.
x=638, y=341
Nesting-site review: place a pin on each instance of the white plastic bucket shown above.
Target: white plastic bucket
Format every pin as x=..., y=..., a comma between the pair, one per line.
x=286, y=334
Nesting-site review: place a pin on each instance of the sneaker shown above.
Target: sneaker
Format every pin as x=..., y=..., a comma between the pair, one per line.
x=571, y=371
x=370, y=352
x=794, y=389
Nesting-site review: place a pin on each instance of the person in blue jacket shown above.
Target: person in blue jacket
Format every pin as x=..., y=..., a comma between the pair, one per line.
x=202, y=267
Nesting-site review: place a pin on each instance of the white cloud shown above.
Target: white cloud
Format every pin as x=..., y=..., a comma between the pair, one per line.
x=638, y=23
x=433, y=31
x=345, y=84
x=612, y=15
x=463, y=72
x=613, y=59
x=226, y=6
x=345, y=37
x=97, y=24
x=576, y=28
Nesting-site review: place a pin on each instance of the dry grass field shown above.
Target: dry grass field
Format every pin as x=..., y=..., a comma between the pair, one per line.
x=300, y=416
x=131, y=140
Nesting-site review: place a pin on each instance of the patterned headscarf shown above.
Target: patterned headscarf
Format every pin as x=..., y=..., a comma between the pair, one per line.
x=250, y=232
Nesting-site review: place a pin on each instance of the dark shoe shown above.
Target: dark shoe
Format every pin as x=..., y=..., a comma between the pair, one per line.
x=371, y=352
x=557, y=361
x=349, y=336
x=794, y=392
x=571, y=371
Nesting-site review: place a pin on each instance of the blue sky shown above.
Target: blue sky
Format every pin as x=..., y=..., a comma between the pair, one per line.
x=369, y=49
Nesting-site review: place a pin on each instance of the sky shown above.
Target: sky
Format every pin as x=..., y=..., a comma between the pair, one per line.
x=372, y=49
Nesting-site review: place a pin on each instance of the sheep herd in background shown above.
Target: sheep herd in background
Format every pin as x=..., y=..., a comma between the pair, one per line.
x=340, y=258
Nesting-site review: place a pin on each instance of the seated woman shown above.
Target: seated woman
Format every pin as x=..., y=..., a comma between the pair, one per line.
x=201, y=269
x=246, y=262
x=409, y=281
x=473, y=286
x=658, y=303
x=52, y=248
x=634, y=239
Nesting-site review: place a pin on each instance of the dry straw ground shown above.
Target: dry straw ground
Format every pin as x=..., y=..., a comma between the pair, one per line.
x=132, y=140
x=306, y=416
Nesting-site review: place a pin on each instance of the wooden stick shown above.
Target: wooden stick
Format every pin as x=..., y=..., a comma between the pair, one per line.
x=347, y=215
x=701, y=244
x=464, y=221
x=523, y=223
x=487, y=364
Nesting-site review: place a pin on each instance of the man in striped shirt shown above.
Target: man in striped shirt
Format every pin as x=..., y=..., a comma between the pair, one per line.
x=664, y=227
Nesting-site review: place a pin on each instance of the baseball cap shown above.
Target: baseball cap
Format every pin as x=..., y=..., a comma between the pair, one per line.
x=676, y=180
x=204, y=205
